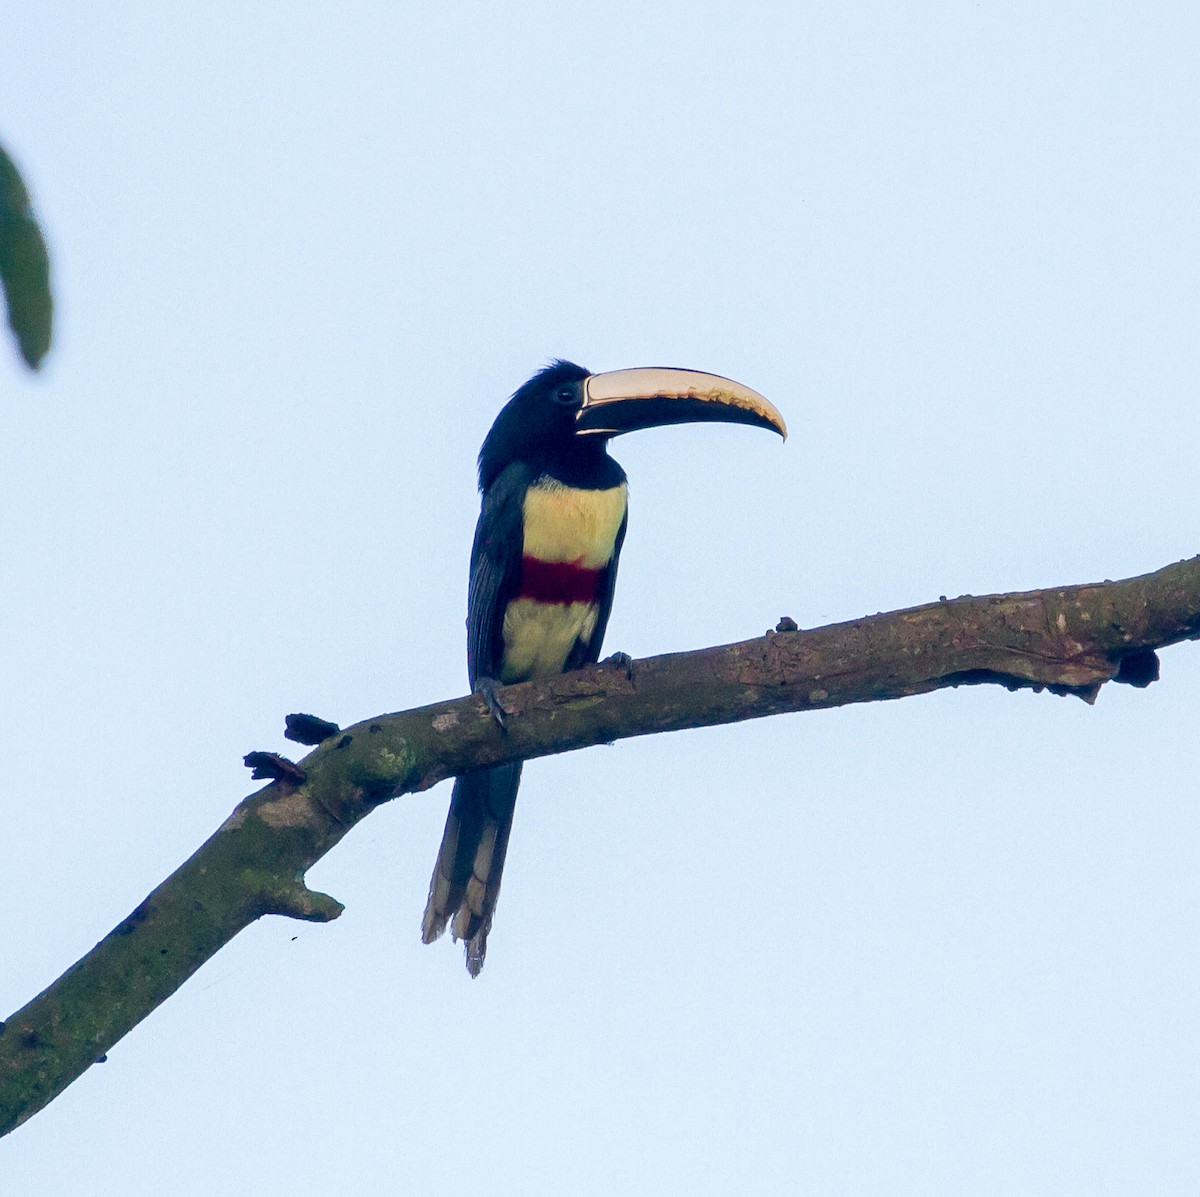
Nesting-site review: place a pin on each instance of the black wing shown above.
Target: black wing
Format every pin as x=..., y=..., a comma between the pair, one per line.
x=587, y=652
x=495, y=568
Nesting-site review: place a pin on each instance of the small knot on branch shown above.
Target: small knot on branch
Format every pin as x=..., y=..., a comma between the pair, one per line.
x=1139, y=669
x=270, y=766
x=1087, y=690
x=308, y=729
x=300, y=902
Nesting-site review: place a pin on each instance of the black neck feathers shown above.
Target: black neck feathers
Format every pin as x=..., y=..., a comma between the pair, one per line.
x=537, y=426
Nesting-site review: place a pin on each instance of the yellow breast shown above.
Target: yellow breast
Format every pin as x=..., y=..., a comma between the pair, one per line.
x=539, y=637
x=563, y=523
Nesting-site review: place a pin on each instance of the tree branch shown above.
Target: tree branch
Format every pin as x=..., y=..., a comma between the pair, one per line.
x=1068, y=640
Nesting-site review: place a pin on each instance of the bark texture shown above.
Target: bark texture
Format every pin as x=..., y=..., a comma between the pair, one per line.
x=1069, y=640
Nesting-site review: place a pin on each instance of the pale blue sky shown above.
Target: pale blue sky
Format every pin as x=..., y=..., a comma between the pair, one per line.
x=302, y=255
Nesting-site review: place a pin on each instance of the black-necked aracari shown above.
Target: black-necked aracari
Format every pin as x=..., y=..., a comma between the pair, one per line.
x=543, y=570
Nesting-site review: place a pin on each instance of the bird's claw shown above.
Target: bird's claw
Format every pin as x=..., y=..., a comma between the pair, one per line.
x=488, y=689
x=623, y=661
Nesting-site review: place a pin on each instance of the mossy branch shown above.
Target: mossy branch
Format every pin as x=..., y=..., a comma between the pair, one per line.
x=1068, y=640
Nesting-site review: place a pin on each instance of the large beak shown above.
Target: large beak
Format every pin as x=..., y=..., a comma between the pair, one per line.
x=626, y=400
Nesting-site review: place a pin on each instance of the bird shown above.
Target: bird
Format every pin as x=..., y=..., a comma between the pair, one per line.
x=542, y=575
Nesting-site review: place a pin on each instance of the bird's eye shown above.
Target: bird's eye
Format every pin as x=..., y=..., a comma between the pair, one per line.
x=565, y=395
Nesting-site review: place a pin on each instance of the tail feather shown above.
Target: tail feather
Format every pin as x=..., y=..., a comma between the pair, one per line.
x=466, y=879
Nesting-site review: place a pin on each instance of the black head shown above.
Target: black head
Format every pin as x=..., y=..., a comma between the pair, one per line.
x=538, y=422
x=562, y=418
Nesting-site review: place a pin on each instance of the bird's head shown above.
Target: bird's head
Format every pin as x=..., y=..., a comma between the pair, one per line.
x=563, y=410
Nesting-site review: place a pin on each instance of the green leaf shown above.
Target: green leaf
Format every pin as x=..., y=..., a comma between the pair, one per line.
x=24, y=267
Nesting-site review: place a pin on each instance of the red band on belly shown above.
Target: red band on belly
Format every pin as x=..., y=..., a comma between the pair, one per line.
x=558, y=582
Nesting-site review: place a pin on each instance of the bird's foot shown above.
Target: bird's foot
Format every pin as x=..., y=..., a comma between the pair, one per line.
x=621, y=661
x=488, y=689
